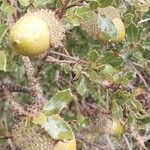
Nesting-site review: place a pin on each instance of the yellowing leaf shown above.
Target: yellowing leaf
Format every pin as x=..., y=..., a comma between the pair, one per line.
x=40, y=119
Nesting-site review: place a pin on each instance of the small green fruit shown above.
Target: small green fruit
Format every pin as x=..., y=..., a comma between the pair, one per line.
x=30, y=36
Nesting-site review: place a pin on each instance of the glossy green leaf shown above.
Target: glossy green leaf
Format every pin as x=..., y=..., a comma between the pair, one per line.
x=58, y=102
x=112, y=59
x=132, y=32
x=57, y=128
x=107, y=28
x=3, y=61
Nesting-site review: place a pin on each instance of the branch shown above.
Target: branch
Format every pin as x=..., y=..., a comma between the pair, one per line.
x=15, y=88
x=51, y=59
x=17, y=109
x=32, y=80
x=34, y=84
x=70, y=57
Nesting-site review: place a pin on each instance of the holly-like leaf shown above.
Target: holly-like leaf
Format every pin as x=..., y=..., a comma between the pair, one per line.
x=112, y=59
x=58, y=102
x=132, y=33
x=58, y=129
x=3, y=61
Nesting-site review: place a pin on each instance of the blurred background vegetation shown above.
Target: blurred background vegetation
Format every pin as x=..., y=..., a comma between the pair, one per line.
x=114, y=82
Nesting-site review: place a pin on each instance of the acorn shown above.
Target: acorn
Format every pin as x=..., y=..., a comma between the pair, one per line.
x=95, y=26
x=34, y=137
x=36, y=32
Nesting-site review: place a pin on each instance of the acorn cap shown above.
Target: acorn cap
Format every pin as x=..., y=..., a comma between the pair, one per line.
x=56, y=28
x=31, y=137
x=91, y=26
x=110, y=12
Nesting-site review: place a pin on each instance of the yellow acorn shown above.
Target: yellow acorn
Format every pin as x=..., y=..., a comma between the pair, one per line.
x=36, y=32
x=94, y=27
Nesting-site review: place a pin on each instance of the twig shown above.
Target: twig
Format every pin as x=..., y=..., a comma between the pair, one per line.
x=17, y=109
x=14, y=88
x=69, y=57
x=62, y=10
x=127, y=142
x=54, y=60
